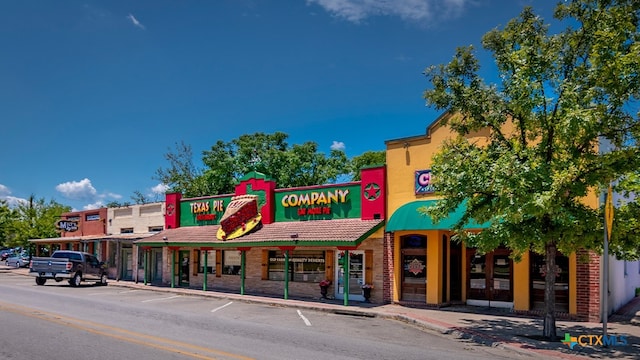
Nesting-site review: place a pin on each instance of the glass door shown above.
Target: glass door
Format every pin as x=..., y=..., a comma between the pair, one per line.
x=356, y=275
x=414, y=268
x=490, y=276
x=183, y=275
x=127, y=266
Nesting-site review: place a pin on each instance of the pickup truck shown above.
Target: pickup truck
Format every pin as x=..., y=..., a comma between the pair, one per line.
x=76, y=266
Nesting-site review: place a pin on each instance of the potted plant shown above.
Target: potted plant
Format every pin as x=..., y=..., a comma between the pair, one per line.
x=324, y=285
x=366, y=290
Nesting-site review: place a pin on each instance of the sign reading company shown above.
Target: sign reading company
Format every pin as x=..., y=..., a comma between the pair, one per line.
x=315, y=202
x=67, y=225
x=424, y=183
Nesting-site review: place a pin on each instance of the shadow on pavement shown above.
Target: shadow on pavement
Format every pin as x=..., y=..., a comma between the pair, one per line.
x=528, y=335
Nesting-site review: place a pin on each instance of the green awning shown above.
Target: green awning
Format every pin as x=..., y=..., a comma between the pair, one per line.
x=407, y=217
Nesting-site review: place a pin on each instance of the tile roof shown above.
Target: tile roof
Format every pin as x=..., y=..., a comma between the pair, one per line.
x=133, y=236
x=316, y=232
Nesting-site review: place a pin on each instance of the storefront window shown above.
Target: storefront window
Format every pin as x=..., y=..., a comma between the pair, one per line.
x=231, y=262
x=304, y=266
x=478, y=278
x=211, y=261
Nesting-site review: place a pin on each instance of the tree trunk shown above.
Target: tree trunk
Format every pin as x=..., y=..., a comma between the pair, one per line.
x=549, y=330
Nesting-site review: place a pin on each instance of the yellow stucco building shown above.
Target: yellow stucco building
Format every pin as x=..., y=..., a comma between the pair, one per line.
x=429, y=268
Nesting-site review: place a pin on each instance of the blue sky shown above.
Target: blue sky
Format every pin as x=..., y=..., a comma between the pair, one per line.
x=94, y=93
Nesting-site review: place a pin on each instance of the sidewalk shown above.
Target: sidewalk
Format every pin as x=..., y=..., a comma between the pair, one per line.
x=489, y=326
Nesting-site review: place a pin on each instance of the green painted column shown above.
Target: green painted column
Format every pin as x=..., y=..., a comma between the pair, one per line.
x=146, y=265
x=204, y=280
x=347, y=274
x=243, y=258
x=173, y=268
x=286, y=274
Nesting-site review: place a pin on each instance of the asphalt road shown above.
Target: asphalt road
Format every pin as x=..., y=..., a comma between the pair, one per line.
x=57, y=321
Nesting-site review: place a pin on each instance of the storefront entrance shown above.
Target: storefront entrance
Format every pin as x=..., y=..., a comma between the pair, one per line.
x=414, y=268
x=127, y=264
x=490, y=278
x=537, y=275
x=183, y=273
x=356, y=275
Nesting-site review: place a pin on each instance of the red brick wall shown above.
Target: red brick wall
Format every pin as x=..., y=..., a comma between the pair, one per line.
x=588, y=286
x=387, y=268
x=93, y=227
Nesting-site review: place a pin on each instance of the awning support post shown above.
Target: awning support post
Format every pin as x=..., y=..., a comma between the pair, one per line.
x=146, y=265
x=173, y=268
x=286, y=274
x=243, y=258
x=347, y=265
x=204, y=280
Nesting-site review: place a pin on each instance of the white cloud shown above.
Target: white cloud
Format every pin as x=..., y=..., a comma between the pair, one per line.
x=111, y=195
x=159, y=189
x=4, y=191
x=95, y=205
x=12, y=201
x=135, y=22
x=412, y=10
x=77, y=190
x=338, y=145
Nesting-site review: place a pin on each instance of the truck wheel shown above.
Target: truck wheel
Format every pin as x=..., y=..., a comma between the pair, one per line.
x=103, y=280
x=76, y=280
x=40, y=281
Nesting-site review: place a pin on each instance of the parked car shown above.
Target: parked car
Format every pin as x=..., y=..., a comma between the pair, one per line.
x=18, y=260
x=5, y=254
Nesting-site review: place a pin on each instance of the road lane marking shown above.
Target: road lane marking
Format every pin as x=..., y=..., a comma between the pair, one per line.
x=222, y=307
x=124, y=335
x=306, y=321
x=159, y=299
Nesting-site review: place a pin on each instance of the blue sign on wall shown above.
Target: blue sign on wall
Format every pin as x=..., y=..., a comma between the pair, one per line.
x=423, y=182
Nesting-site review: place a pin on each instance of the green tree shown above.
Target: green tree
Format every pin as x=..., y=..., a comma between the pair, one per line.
x=183, y=175
x=139, y=198
x=566, y=96
x=367, y=159
x=7, y=219
x=270, y=154
x=35, y=219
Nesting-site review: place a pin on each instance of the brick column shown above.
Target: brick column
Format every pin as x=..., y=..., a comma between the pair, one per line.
x=588, y=286
x=387, y=268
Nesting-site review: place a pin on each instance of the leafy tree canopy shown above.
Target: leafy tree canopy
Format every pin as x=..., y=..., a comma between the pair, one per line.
x=369, y=158
x=34, y=219
x=227, y=162
x=563, y=122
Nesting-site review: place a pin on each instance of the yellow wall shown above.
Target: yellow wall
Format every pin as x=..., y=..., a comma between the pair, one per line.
x=404, y=157
x=434, y=267
x=407, y=155
x=521, y=285
x=573, y=287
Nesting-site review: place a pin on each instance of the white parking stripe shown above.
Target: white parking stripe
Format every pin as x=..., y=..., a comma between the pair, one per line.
x=127, y=291
x=306, y=321
x=222, y=307
x=167, y=298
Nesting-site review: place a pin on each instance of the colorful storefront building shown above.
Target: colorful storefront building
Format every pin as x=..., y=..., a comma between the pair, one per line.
x=429, y=268
x=278, y=242
x=107, y=233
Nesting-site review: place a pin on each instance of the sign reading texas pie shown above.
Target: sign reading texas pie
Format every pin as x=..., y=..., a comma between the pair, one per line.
x=240, y=217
